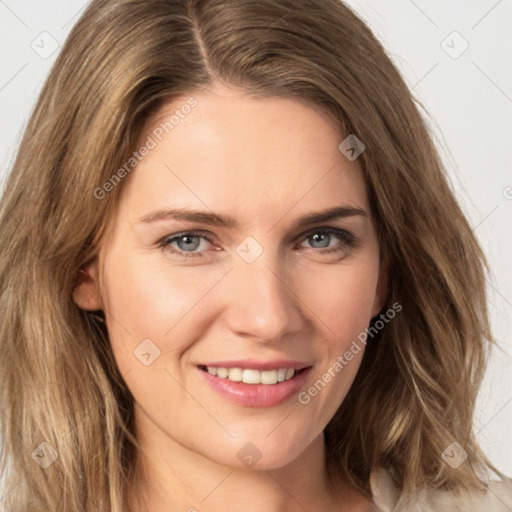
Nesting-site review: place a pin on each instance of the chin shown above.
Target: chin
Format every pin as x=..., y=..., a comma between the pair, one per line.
x=260, y=453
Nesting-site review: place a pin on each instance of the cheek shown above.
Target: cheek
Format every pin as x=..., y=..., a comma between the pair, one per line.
x=145, y=301
x=342, y=302
x=341, y=298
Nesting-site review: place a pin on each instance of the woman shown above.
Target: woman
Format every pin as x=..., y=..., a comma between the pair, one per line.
x=173, y=336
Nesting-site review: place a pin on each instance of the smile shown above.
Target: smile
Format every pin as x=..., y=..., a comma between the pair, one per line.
x=250, y=387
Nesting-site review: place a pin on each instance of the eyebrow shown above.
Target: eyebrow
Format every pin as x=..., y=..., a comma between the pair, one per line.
x=212, y=219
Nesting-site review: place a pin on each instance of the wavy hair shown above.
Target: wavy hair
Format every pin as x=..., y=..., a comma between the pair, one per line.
x=415, y=391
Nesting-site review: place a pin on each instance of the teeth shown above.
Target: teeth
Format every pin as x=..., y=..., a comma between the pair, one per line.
x=235, y=374
x=222, y=373
x=250, y=376
x=269, y=377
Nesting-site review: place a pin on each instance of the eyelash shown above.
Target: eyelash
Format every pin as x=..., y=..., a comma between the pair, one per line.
x=346, y=238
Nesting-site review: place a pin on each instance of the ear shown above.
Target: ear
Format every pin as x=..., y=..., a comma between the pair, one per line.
x=381, y=291
x=86, y=293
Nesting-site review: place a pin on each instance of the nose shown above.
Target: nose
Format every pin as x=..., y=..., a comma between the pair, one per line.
x=261, y=303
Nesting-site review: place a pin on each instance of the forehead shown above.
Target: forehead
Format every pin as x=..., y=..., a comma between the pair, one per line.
x=243, y=155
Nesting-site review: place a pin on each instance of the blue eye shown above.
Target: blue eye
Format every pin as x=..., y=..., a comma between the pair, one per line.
x=327, y=234
x=186, y=244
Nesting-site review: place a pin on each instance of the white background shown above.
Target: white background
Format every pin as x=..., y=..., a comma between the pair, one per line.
x=469, y=99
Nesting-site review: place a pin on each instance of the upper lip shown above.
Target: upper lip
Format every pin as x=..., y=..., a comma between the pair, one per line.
x=253, y=364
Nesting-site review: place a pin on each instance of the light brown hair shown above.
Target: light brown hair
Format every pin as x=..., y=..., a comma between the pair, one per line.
x=415, y=391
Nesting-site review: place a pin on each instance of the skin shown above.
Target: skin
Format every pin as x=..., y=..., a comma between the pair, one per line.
x=265, y=162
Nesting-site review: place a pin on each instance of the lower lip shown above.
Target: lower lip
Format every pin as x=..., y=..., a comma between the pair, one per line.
x=256, y=395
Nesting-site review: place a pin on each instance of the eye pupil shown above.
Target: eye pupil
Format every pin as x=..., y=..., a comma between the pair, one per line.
x=317, y=237
x=188, y=244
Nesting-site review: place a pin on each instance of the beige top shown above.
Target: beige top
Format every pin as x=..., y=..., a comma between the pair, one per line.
x=386, y=498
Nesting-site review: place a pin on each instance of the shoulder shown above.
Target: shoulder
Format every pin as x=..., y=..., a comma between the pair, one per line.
x=386, y=498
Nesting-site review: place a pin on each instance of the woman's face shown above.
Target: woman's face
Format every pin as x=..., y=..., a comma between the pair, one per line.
x=259, y=297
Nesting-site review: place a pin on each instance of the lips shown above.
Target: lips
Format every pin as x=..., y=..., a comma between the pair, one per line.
x=255, y=372
x=255, y=383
